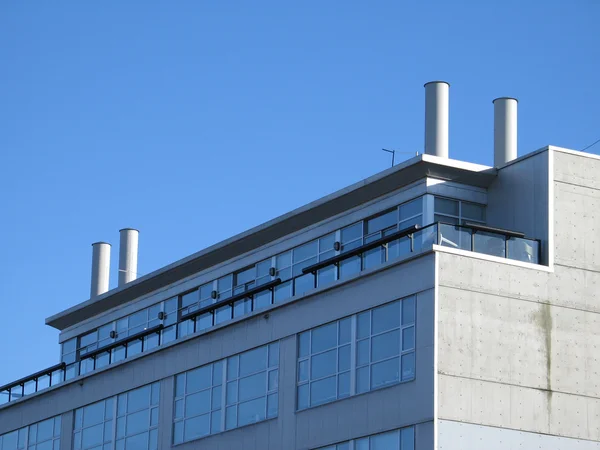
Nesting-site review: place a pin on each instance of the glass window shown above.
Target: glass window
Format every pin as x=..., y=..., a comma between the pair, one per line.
x=249, y=395
x=44, y=435
x=402, y=439
x=473, y=212
x=136, y=414
x=384, y=347
x=288, y=266
x=383, y=221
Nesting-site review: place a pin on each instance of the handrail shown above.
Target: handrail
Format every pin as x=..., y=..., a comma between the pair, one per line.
x=34, y=376
x=230, y=300
x=488, y=229
x=363, y=248
x=140, y=335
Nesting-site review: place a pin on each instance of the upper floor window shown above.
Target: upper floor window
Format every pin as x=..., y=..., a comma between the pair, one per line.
x=44, y=435
x=129, y=420
x=403, y=439
x=458, y=211
x=357, y=354
x=226, y=394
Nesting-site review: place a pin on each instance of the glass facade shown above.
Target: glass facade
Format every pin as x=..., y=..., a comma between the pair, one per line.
x=128, y=421
x=286, y=266
x=403, y=439
x=367, y=351
x=227, y=394
x=84, y=353
x=44, y=435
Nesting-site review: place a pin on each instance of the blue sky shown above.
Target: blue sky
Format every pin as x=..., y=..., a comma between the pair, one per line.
x=194, y=121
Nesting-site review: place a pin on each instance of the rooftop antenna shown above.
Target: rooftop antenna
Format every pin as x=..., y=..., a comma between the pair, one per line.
x=393, y=152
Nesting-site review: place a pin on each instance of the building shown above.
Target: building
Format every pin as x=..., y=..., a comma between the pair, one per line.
x=438, y=304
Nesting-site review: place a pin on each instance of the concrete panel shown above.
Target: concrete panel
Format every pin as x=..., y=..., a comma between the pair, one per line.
x=580, y=169
x=526, y=409
x=577, y=226
x=468, y=436
x=284, y=321
x=518, y=199
x=569, y=287
x=518, y=342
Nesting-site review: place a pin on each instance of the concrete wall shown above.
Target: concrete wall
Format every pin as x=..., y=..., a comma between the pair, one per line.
x=370, y=413
x=519, y=199
x=577, y=210
x=465, y=436
x=517, y=349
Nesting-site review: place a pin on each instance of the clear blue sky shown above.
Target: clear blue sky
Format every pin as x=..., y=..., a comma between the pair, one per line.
x=194, y=121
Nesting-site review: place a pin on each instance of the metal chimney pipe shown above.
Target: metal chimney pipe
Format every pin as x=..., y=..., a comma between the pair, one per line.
x=505, y=130
x=436, y=118
x=100, y=268
x=128, y=255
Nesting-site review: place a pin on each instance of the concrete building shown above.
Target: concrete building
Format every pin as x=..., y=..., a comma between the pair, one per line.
x=438, y=304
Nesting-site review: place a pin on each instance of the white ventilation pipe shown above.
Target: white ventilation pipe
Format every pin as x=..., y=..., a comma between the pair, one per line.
x=128, y=255
x=505, y=130
x=100, y=268
x=436, y=118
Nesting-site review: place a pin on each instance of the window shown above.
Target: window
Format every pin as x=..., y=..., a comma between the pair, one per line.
x=287, y=266
x=44, y=435
x=377, y=346
x=403, y=439
x=130, y=421
x=457, y=211
x=227, y=394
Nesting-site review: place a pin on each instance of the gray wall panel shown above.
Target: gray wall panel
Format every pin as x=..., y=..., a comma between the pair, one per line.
x=519, y=198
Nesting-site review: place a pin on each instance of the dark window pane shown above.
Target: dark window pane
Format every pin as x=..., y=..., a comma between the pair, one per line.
x=245, y=276
x=304, y=283
x=408, y=310
x=411, y=209
x=446, y=206
x=352, y=232
x=323, y=364
x=93, y=414
x=385, y=372
x=473, y=211
x=189, y=299
x=138, y=422
x=383, y=221
x=326, y=243
x=386, y=317
x=199, y=379
x=196, y=427
x=349, y=267
x=323, y=391
x=253, y=386
x=253, y=361
x=324, y=337
x=198, y=403
x=252, y=411
x=385, y=345
x=305, y=251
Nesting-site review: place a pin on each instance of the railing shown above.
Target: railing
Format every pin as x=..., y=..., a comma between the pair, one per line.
x=33, y=383
x=412, y=240
x=490, y=241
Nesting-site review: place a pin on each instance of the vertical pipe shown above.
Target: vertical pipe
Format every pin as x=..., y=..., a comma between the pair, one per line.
x=505, y=130
x=436, y=118
x=128, y=255
x=100, y=268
